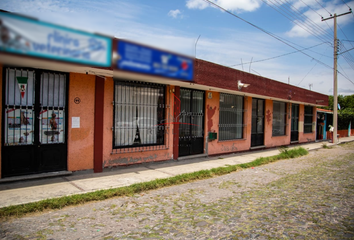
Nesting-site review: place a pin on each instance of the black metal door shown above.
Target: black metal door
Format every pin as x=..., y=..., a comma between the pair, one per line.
x=191, y=127
x=257, y=135
x=34, y=122
x=294, y=123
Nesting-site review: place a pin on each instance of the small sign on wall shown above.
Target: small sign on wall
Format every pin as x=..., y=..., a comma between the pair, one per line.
x=75, y=122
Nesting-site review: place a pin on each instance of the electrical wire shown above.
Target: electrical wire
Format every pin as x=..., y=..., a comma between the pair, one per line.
x=330, y=14
x=282, y=55
x=292, y=13
x=265, y=31
x=310, y=70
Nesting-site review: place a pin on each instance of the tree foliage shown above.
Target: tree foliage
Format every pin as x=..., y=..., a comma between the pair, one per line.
x=346, y=111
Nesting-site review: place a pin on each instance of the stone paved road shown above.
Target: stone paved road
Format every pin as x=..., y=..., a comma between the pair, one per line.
x=311, y=197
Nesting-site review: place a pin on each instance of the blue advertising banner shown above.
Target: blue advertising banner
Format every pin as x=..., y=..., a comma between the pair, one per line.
x=26, y=36
x=137, y=58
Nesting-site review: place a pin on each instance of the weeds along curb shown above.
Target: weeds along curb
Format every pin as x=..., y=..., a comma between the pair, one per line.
x=58, y=203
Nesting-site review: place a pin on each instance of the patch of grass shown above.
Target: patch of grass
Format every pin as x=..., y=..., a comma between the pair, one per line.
x=61, y=202
x=324, y=145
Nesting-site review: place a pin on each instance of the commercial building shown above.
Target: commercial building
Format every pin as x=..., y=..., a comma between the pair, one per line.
x=72, y=101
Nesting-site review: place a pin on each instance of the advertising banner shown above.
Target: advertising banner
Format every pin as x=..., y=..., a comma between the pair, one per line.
x=26, y=36
x=137, y=58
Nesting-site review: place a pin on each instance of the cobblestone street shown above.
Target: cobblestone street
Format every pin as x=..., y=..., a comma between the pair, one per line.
x=311, y=197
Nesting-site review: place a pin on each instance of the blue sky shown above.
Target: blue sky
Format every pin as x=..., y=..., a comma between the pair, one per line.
x=224, y=39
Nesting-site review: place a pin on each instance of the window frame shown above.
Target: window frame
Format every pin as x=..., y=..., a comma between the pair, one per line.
x=281, y=117
x=308, y=115
x=226, y=125
x=160, y=114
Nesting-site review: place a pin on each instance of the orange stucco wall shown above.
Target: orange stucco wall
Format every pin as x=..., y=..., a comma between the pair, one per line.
x=269, y=139
x=127, y=156
x=212, y=109
x=80, y=140
x=306, y=137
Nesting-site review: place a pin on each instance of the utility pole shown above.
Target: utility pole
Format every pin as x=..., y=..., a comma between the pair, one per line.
x=335, y=57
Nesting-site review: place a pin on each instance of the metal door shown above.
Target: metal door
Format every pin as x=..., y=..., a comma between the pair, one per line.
x=34, y=122
x=294, y=123
x=257, y=135
x=191, y=127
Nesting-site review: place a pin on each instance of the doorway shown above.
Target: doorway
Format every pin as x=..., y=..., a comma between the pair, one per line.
x=191, y=122
x=257, y=135
x=34, y=115
x=294, y=123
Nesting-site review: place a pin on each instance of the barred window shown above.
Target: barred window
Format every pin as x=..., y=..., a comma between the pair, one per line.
x=279, y=118
x=308, y=119
x=138, y=114
x=230, y=117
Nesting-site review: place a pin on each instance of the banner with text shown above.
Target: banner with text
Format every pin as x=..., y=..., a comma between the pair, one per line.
x=137, y=58
x=21, y=35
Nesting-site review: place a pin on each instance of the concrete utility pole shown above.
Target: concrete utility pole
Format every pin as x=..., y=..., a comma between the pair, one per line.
x=335, y=57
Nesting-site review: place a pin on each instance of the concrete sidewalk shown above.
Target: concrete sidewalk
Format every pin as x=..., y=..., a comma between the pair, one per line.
x=14, y=193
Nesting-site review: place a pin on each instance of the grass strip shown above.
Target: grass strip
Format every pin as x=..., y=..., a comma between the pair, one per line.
x=61, y=202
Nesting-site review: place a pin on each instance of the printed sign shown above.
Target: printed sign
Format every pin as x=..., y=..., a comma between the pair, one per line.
x=19, y=130
x=26, y=36
x=137, y=58
x=51, y=126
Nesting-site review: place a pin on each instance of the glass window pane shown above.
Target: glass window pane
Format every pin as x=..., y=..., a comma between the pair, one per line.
x=139, y=111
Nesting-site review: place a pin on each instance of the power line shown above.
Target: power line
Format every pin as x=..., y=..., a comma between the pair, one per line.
x=282, y=55
x=310, y=70
x=267, y=32
x=292, y=13
x=330, y=14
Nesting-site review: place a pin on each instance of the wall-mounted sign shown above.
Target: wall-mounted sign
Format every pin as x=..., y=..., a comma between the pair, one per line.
x=25, y=36
x=137, y=58
x=75, y=122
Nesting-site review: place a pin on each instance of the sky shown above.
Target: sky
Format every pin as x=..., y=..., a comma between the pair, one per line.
x=284, y=40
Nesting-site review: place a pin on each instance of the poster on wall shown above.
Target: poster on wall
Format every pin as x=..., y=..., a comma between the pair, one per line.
x=19, y=127
x=51, y=127
x=27, y=36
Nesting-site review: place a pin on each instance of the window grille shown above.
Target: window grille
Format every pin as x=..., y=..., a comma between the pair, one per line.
x=23, y=111
x=230, y=117
x=279, y=118
x=139, y=113
x=19, y=107
x=308, y=119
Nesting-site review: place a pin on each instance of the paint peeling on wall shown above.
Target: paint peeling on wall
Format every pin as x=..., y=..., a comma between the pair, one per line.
x=232, y=148
x=131, y=160
x=269, y=117
x=210, y=114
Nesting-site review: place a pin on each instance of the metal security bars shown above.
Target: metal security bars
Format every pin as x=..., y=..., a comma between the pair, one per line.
x=231, y=117
x=52, y=108
x=139, y=113
x=308, y=119
x=294, y=122
x=19, y=107
x=279, y=118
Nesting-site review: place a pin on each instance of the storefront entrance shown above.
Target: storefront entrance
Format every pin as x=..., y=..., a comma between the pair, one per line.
x=294, y=123
x=191, y=122
x=34, y=121
x=257, y=137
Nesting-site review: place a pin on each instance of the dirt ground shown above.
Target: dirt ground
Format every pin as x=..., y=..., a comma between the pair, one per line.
x=311, y=197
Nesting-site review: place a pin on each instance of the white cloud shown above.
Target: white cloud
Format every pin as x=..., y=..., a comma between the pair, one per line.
x=196, y=4
x=175, y=13
x=313, y=24
x=231, y=5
